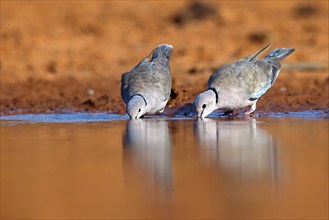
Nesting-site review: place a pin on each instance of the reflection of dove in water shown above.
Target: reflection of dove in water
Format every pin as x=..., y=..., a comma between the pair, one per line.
x=238, y=147
x=147, y=147
x=240, y=84
x=146, y=88
x=148, y=134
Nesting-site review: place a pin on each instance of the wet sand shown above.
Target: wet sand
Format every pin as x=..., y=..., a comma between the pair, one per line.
x=65, y=57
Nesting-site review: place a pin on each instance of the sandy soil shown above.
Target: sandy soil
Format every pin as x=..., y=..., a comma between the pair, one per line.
x=69, y=56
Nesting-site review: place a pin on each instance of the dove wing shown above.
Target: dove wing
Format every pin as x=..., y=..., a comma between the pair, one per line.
x=267, y=73
x=252, y=78
x=146, y=78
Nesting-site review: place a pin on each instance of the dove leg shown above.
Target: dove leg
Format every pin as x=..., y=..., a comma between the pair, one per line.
x=161, y=112
x=251, y=109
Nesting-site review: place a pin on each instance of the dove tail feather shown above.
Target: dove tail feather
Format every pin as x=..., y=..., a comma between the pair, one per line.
x=279, y=54
x=255, y=55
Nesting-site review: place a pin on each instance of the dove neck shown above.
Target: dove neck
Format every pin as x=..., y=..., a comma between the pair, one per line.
x=148, y=100
x=140, y=96
x=215, y=92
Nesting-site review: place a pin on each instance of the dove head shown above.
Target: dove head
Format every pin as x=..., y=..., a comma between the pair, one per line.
x=136, y=107
x=205, y=103
x=162, y=50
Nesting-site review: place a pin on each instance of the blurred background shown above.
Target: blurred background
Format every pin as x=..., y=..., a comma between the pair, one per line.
x=69, y=55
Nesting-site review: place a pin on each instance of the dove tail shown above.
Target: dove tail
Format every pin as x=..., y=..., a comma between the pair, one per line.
x=255, y=55
x=279, y=53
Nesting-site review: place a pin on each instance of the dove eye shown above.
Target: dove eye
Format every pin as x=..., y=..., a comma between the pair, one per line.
x=139, y=110
x=204, y=106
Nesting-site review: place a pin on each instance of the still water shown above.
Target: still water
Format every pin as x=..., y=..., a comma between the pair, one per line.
x=104, y=166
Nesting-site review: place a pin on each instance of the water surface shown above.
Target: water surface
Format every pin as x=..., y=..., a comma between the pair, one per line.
x=273, y=167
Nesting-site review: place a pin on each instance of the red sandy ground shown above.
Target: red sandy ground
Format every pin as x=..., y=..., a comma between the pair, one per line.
x=69, y=56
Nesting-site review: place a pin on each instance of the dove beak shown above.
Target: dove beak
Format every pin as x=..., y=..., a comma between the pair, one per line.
x=201, y=115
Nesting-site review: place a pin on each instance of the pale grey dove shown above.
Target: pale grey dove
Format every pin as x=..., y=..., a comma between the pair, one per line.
x=240, y=84
x=146, y=88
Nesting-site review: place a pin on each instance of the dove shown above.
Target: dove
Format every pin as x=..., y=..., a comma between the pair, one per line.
x=146, y=88
x=239, y=85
